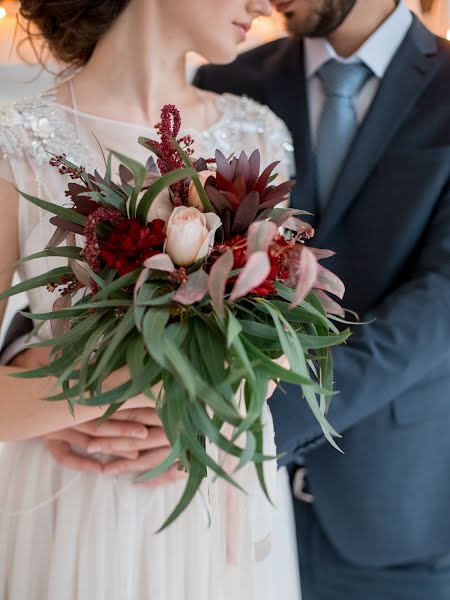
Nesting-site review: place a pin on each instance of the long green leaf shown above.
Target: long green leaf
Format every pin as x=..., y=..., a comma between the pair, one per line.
x=164, y=466
x=53, y=276
x=156, y=188
x=66, y=213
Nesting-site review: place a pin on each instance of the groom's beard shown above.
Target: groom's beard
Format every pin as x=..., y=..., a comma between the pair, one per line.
x=318, y=17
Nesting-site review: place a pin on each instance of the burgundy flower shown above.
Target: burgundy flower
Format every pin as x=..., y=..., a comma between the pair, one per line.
x=240, y=194
x=131, y=243
x=277, y=254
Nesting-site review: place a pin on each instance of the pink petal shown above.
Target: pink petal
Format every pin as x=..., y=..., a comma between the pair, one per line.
x=61, y=326
x=57, y=238
x=330, y=306
x=160, y=262
x=253, y=274
x=260, y=235
x=194, y=289
x=217, y=280
x=80, y=272
x=307, y=269
x=320, y=253
x=329, y=282
x=294, y=224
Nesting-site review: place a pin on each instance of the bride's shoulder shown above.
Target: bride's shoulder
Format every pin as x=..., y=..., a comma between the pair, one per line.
x=253, y=116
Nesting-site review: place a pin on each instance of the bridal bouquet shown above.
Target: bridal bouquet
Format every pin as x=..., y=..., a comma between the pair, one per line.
x=187, y=272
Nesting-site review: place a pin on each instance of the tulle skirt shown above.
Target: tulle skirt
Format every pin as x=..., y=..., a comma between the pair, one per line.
x=80, y=536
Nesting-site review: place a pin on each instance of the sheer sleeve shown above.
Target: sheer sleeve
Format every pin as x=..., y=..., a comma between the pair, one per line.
x=12, y=141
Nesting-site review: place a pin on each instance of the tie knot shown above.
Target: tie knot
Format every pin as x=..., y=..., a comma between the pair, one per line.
x=343, y=79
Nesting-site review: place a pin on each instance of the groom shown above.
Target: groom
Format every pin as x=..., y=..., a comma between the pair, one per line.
x=364, y=88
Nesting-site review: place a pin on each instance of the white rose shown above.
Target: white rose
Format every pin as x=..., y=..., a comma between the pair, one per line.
x=190, y=235
x=194, y=198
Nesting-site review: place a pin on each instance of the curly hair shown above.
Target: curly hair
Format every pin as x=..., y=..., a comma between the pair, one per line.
x=70, y=28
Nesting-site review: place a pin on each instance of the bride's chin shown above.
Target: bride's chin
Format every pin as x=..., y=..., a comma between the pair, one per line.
x=223, y=56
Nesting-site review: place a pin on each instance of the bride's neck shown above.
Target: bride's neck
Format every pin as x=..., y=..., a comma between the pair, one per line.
x=137, y=67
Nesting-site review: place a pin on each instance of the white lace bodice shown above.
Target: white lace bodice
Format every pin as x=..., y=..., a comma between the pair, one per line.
x=34, y=128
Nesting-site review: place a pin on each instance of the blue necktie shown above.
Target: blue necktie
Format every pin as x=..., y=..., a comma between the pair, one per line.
x=341, y=83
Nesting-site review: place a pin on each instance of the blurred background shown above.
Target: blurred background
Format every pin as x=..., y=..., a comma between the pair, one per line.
x=20, y=76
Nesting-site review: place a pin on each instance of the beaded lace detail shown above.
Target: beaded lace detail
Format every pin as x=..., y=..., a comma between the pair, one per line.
x=38, y=126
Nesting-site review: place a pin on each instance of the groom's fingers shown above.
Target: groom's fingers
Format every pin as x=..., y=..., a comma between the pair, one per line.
x=148, y=459
x=156, y=439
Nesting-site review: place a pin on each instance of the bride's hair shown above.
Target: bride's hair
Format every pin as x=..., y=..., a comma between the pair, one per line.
x=70, y=28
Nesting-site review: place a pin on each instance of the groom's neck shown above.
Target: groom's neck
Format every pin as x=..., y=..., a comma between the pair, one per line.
x=362, y=22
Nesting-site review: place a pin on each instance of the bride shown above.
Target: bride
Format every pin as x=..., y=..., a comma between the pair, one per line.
x=89, y=534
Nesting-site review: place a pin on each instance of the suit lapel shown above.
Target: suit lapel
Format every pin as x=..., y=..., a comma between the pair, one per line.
x=286, y=94
x=404, y=82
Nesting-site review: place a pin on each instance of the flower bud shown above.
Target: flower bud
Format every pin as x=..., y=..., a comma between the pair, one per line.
x=193, y=197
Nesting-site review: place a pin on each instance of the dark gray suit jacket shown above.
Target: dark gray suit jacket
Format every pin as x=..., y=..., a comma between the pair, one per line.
x=387, y=499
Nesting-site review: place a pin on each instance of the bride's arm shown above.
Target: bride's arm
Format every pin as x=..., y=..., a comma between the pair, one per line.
x=23, y=412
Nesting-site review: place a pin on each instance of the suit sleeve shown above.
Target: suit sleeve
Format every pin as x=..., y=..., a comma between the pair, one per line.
x=408, y=336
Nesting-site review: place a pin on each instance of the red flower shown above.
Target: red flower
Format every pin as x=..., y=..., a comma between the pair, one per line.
x=277, y=252
x=131, y=243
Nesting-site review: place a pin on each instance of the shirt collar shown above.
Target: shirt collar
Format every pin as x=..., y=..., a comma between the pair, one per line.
x=377, y=52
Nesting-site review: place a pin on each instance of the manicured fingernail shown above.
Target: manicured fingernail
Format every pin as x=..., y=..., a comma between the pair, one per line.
x=93, y=448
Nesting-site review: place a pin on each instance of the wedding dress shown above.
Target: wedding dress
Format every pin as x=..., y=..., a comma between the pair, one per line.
x=66, y=535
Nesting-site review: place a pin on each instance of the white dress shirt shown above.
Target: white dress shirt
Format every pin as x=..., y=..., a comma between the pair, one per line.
x=377, y=52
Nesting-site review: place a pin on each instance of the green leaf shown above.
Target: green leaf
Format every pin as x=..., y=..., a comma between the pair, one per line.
x=233, y=328
x=196, y=474
x=60, y=251
x=53, y=276
x=204, y=199
x=181, y=366
x=164, y=466
x=165, y=181
x=211, y=351
x=312, y=342
x=139, y=171
x=66, y=213
x=124, y=327
x=153, y=330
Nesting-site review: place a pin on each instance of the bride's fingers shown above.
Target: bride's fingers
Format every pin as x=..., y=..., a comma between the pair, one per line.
x=148, y=459
x=114, y=428
x=81, y=441
x=65, y=456
x=171, y=476
x=146, y=416
x=156, y=439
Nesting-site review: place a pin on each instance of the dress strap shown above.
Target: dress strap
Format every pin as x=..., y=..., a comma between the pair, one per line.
x=73, y=98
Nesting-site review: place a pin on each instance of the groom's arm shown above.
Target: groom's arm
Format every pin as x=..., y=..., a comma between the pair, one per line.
x=409, y=337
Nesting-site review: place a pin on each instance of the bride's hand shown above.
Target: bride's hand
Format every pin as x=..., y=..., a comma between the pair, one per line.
x=134, y=436
x=272, y=386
